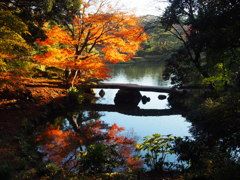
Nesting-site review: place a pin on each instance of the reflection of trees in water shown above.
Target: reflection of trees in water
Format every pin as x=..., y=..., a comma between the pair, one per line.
x=217, y=122
x=138, y=71
x=82, y=143
x=214, y=150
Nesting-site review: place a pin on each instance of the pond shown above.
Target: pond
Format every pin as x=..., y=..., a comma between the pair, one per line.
x=143, y=74
x=93, y=131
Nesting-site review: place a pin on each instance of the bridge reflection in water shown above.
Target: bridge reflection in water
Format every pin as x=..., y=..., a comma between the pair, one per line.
x=152, y=115
x=132, y=111
x=127, y=94
x=134, y=87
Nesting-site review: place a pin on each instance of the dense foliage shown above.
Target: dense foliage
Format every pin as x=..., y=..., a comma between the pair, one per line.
x=209, y=56
x=208, y=30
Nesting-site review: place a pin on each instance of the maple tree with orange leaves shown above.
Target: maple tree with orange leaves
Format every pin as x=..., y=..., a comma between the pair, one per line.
x=92, y=38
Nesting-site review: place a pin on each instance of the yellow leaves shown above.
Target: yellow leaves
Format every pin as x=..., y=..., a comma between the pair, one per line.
x=2, y=65
x=12, y=45
x=13, y=49
x=12, y=42
x=2, y=55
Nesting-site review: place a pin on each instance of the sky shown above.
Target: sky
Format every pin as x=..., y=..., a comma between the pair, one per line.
x=145, y=7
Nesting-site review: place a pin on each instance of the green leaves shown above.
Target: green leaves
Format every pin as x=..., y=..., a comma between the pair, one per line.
x=157, y=148
x=220, y=76
x=99, y=158
x=160, y=42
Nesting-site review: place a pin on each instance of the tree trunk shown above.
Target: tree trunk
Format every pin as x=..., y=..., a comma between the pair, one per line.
x=198, y=66
x=236, y=83
x=75, y=73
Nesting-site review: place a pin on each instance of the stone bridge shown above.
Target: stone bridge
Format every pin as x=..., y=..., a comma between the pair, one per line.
x=135, y=87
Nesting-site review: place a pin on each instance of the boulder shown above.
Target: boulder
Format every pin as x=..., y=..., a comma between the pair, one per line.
x=162, y=97
x=145, y=99
x=101, y=93
x=127, y=98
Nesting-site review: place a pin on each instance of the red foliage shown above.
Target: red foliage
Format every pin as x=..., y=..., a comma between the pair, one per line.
x=62, y=147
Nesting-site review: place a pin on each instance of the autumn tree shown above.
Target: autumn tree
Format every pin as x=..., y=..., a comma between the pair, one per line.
x=20, y=25
x=97, y=34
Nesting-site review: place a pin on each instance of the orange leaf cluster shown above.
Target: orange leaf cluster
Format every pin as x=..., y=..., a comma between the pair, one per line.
x=3, y=55
x=91, y=39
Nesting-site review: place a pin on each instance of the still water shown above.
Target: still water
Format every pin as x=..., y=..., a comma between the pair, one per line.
x=80, y=129
x=137, y=125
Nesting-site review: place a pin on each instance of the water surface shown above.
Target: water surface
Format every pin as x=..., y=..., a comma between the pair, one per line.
x=141, y=126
